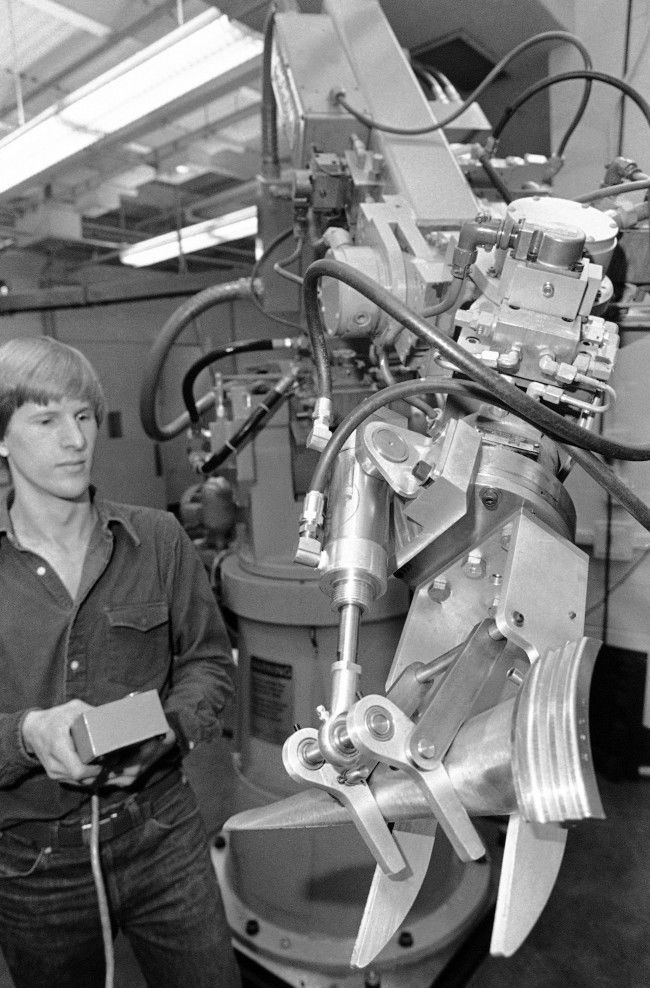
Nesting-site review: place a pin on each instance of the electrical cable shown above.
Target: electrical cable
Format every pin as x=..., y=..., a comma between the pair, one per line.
x=494, y=177
x=280, y=266
x=502, y=390
x=339, y=95
x=389, y=379
x=269, y=140
x=613, y=190
x=538, y=87
x=281, y=237
x=607, y=479
x=100, y=889
x=617, y=584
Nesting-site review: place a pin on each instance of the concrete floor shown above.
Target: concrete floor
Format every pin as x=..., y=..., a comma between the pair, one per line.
x=594, y=932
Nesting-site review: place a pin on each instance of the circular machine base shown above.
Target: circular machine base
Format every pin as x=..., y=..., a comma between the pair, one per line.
x=299, y=945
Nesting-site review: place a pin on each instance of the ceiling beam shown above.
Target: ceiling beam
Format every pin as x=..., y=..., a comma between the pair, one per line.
x=128, y=32
x=71, y=17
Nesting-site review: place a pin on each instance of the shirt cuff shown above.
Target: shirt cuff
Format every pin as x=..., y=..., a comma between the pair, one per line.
x=27, y=757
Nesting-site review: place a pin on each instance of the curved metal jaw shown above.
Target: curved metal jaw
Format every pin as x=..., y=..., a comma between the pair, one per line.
x=527, y=757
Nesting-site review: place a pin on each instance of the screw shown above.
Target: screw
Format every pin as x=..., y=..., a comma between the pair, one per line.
x=405, y=939
x=474, y=566
x=517, y=618
x=490, y=498
x=440, y=589
x=421, y=471
x=252, y=927
x=219, y=842
x=548, y=290
x=515, y=676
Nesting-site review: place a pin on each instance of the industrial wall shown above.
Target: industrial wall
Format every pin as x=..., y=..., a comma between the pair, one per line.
x=117, y=340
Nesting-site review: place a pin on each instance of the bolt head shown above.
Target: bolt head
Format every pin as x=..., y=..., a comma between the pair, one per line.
x=426, y=749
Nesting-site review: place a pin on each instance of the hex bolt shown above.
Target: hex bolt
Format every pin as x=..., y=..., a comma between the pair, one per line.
x=474, y=566
x=421, y=471
x=440, y=589
x=548, y=290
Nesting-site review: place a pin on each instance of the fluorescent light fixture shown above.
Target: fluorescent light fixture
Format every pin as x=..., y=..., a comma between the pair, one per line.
x=232, y=226
x=187, y=58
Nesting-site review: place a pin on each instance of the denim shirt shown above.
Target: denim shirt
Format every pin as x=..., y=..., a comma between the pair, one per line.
x=144, y=618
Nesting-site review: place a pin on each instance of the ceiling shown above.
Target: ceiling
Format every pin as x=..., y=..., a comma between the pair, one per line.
x=194, y=162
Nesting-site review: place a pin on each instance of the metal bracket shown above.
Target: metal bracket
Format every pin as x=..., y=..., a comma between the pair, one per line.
x=357, y=798
x=453, y=701
x=380, y=730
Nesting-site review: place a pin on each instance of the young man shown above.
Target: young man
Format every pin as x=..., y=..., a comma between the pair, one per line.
x=98, y=600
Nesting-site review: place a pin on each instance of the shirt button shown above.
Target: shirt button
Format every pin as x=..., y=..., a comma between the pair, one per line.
x=41, y=571
x=74, y=665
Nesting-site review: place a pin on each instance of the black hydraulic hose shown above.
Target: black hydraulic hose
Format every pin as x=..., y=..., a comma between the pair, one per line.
x=262, y=413
x=219, y=353
x=495, y=179
x=270, y=152
x=316, y=332
x=606, y=478
x=433, y=385
x=501, y=389
x=538, y=87
x=339, y=95
x=395, y=392
x=230, y=291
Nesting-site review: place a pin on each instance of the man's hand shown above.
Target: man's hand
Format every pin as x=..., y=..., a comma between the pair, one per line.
x=148, y=753
x=46, y=734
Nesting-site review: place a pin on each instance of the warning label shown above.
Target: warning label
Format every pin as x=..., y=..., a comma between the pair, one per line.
x=271, y=700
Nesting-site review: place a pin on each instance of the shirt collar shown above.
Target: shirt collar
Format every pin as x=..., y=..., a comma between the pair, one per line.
x=107, y=512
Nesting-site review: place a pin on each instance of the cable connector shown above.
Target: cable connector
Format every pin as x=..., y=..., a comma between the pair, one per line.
x=311, y=521
x=320, y=433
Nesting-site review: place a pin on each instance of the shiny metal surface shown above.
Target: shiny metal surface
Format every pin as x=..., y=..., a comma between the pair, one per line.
x=532, y=857
x=390, y=897
x=552, y=765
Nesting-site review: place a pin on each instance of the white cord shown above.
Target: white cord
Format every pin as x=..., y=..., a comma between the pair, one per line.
x=102, y=900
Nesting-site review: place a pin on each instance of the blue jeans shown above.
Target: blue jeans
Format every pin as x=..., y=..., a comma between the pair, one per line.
x=162, y=893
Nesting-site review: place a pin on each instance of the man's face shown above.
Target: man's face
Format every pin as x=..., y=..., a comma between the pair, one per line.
x=49, y=448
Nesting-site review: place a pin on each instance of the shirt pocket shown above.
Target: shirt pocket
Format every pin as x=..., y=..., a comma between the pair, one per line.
x=139, y=648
